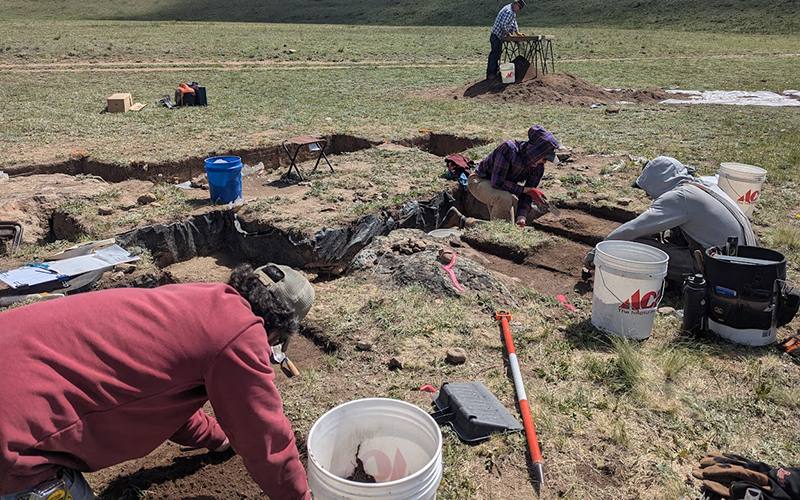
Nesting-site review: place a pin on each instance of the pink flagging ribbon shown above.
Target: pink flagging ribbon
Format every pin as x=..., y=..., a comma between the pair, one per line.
x=563, y=300
x=449, y=269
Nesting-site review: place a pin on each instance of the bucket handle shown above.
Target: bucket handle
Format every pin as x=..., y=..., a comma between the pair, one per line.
x=736, y=191
x=650, y=309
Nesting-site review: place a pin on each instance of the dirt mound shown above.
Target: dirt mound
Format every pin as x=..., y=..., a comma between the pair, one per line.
x=553, y=89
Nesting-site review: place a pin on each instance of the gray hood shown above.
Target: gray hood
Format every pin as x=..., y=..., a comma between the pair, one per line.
x=662, y=174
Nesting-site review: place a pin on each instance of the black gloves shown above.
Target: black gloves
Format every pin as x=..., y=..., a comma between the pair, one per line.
x=734, y=477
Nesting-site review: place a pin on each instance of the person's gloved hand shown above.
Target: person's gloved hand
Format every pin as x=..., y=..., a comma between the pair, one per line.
x=521, y=222
x=536, y=195
x=719, y=478
x=734, y=477
x=716, y=458
x=588, y=261
x=784, y=485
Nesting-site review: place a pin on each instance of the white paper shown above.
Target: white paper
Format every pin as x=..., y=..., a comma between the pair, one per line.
x=26, y=276
x=102, y=259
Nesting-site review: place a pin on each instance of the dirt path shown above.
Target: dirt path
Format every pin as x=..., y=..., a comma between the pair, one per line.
x=38, y=67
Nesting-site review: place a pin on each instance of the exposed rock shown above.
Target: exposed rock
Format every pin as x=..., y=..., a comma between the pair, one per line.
x=384, y=260
x=410, y=246
x=666, y=310
x=146, y=198
x=624, y=201
x=612, y=109
x=364, y=345
x=128, y=205
x=396, y=363
x=125, y=268
x=456, y=356
x=446, y=257
x=200, y=182
x=105, y=210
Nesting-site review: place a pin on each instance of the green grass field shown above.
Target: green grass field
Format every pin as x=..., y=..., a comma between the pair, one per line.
x=737, y=16
x=652, y=408
x=55, y=76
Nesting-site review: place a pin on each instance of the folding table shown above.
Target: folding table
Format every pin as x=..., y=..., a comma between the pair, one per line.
x=536, y=49
x=313, y=143
x=13, y=231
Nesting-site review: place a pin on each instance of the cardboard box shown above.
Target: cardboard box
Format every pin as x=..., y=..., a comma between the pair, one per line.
x=119, y=103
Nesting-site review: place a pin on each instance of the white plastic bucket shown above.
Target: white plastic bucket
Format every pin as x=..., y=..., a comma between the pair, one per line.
x=742, y=183
x=507, y=72
x=399, y=445
x=745, y=336
x=628, y=286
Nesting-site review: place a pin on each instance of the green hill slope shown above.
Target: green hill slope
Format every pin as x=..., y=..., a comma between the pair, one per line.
x=747, y=16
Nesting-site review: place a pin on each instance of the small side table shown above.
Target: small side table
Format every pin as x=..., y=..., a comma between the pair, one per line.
x=313, y=143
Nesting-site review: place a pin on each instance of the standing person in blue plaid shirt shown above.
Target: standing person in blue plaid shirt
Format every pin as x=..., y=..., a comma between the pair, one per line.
x=504, y=25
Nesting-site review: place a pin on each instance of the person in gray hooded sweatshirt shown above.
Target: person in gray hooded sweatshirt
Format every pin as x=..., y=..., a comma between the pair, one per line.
x=688, y=214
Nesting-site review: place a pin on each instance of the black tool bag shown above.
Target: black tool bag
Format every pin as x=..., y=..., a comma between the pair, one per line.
x=185, y=95
x=788, y=303
x=199, y=94
x=751, y=293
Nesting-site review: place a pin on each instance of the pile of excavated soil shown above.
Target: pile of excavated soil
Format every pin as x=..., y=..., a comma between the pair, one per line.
x=552, y=89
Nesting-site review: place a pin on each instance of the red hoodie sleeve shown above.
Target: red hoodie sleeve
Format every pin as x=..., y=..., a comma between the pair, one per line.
x=200, y=431
x=250, y=411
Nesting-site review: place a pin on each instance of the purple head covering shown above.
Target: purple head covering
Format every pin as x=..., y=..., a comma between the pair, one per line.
x=542, y=143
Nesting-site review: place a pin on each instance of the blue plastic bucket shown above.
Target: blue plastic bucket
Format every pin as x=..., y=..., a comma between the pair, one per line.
x=224, y=178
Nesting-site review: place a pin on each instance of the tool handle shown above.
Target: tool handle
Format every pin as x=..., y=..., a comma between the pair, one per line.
x=292, y=368
x=530, y=432
x=524, y=408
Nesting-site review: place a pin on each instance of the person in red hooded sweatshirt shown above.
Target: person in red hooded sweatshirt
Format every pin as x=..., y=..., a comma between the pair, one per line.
x=93, y=380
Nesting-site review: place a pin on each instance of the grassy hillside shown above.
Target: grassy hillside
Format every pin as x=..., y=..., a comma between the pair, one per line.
x=745, y=16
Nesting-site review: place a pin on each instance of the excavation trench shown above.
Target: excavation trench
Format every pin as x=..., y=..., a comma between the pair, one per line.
x=273, y=157
x=330, y=251
x=290, y=225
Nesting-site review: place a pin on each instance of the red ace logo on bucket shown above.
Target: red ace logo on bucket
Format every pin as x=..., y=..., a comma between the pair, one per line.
x=641, y=304
x=749, y=197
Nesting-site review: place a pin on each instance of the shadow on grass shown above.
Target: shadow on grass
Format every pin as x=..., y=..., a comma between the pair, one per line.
x=583, y=335
x=131, y=486
x=201, y=202
x=492, y=86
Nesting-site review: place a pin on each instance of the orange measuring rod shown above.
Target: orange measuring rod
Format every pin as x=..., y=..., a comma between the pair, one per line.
x=530, y=431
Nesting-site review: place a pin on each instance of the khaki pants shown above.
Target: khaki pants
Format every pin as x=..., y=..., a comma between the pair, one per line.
x=502, y=204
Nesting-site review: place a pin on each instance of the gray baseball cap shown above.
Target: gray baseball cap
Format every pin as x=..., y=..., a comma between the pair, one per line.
x=288, y=284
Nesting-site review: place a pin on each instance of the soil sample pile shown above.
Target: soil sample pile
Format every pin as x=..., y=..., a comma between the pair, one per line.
x=552, y=89
x=360, y=475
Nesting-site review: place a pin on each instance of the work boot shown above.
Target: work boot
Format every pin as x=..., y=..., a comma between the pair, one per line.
x=453, y=218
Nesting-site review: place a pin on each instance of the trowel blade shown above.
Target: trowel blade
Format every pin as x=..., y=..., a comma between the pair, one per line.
x=277, y=354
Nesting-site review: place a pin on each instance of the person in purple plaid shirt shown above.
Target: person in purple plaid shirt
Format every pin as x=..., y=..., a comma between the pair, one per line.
x=496, y=181
x=504, y=25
